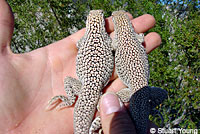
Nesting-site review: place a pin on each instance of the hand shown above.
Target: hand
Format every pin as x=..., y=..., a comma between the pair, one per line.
x=114, y=116
x=28, y=81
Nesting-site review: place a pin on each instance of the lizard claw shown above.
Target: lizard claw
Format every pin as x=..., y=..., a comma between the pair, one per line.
x=61, y=106
x=58, y=102
x=53, y=103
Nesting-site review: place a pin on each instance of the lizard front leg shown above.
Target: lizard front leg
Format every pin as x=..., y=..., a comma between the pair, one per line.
x=156, y=95
x=72, y=88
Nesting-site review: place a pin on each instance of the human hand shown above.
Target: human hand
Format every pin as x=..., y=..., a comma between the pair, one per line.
x=115, y=118
x=28, y=81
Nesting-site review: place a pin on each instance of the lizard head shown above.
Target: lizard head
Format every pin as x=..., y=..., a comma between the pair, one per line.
x=120, y=18
x=95, y=20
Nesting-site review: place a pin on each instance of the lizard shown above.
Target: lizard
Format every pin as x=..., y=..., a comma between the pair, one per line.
x=94, y=67
x=131, y=64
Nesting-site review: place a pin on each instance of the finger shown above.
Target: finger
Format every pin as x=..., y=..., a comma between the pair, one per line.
x=151, y=41
x=6, y=26
x=143, y=23
x=114, y=117
x=115, y=85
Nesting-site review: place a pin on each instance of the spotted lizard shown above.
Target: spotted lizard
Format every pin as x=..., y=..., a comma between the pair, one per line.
x=94, y=66
x=131, y=63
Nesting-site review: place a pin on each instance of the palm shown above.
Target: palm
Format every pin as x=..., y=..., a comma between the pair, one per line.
x=27, y=88
x=28, y=81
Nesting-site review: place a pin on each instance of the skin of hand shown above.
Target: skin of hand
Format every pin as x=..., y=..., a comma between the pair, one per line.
x=28, y=81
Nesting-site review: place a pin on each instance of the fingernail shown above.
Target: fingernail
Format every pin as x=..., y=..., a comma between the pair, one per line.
x=110, y=103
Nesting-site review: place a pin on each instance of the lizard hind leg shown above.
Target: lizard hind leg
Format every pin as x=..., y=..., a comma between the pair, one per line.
x=96, y=127
x=58, y=102
x=140, y=109
x=125, y=94
x=72, y=88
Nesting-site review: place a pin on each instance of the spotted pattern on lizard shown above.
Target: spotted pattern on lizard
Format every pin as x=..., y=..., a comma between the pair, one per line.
x=94, y=66
x=131, y=63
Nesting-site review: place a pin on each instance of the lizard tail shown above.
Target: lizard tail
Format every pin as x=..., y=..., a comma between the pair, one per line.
x=85, y=108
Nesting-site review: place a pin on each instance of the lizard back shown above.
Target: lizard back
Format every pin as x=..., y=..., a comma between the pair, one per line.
x=94, y=66
x=131, y=60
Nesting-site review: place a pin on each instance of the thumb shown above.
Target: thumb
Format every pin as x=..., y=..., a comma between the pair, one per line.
x=114, y=116
x=6, y=26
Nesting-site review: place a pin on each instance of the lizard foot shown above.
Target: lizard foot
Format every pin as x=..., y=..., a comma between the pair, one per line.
x=95, y=127
x=125, y=94
x=59, y=102
x=72, y=88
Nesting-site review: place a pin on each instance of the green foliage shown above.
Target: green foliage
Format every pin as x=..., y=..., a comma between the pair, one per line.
x=174, y=66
